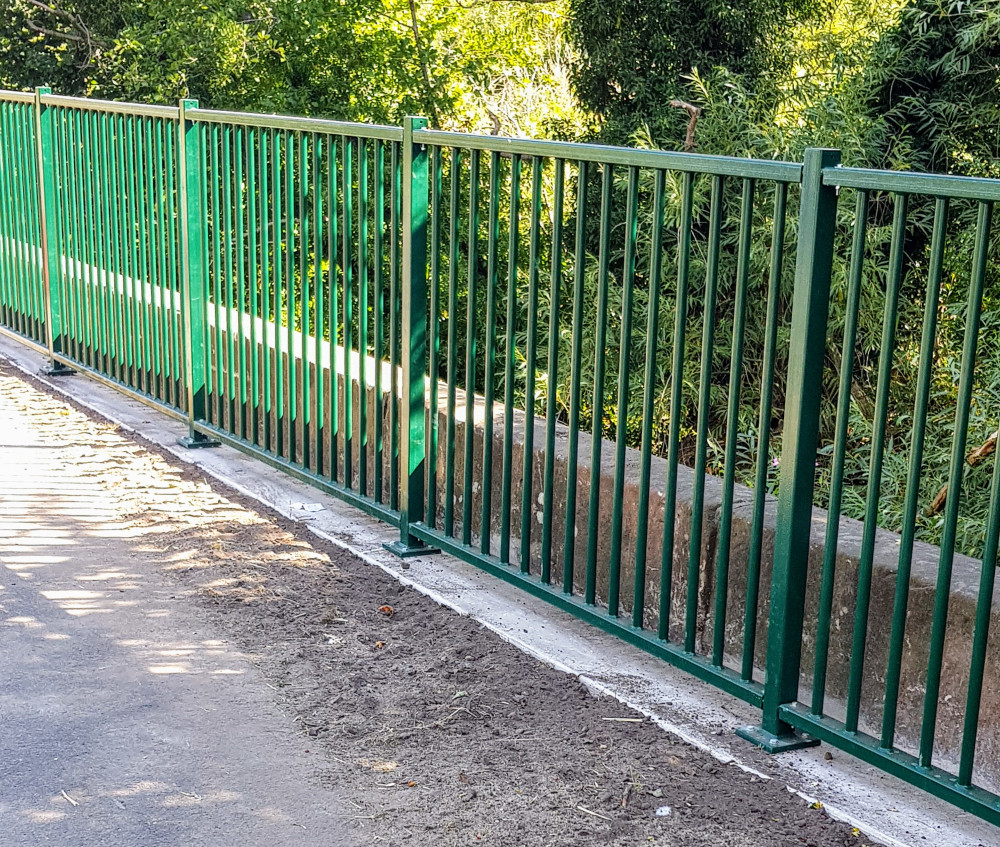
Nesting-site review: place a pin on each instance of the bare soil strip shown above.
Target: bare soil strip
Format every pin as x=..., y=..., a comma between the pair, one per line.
x=435, y=730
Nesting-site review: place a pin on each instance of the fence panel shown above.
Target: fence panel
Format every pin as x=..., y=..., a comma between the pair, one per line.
x=303, y=296
x=602, y=342
x=116, y=224
x=595, y=316
x=22, y=302
x=915, y=250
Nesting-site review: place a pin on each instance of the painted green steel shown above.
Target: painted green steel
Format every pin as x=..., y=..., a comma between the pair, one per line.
x=248, y=273
x=629, y=157
x=920, y=407
x=297, y=124
x=548, y=474
x=597, y=406
x=414, y=341
x=933, y=780
x=624, y=357
x=648, y=388
x=732, y=425
x=981, y=633
x=434, y=340
x=929, y=185
x=810, y=300
x=470, y=345
x=131, y=109
x=839, y=452
x=48, y=226
x=506, y=480
x=576, y=362
x=194, y=263
x=531, y=344
x=755, y=551
x=946, y=558
x=866, y=561
x=704, y=398
x=676, y=397
x=489, y=348
x=452, y=372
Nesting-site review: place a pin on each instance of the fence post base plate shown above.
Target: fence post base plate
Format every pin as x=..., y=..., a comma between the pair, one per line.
x=58, y=369
x=194, y=442
x=794, y=740
x=408, y=551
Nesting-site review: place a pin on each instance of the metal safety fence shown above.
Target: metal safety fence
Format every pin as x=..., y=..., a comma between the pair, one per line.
x=571, y=365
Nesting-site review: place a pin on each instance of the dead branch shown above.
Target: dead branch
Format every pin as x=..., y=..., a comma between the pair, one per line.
x=695, y=113
x=975, y=457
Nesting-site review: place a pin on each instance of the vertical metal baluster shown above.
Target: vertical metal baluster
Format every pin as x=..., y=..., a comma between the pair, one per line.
x=576, y=363
x=470, y=346
x=291, y=303
x=624, y=357
x=229, y=278
x=215, y=283
x=764, y=430
x=705, y=393
x=305, y=325
x=920, y=406
x=434, y=341
x=253, y=281
x=732, y=425
x=875, y=466
x=362, y=317
x=333, y=251
x=279, y=361
x=348, y=310
x=531, y=343
x=490, y=351
x=552, y=377
x=597, y=407
x=676, y=407
x=453, y=259
x=239, y=178
x=268, y=331
x=946, y=559
x=319, y=282
x=648, y=397
x=395, y=228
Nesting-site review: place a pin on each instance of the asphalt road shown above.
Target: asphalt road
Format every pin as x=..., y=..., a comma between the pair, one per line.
x=124, y=719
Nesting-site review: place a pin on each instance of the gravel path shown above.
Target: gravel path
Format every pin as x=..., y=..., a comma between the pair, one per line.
x=180, y=669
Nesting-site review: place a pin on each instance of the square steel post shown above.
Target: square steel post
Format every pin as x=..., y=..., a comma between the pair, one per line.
x=807, y=348
x=413, y=420
x=194, y=276
x=50, y=251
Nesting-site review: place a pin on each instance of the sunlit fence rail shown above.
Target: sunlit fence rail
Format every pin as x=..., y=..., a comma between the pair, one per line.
x=587, y=370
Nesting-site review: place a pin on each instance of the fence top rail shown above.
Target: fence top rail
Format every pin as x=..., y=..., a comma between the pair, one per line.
x=321, y=125
x=16, y=96
x=134, y=109
x=901, y=182
x=789, y=172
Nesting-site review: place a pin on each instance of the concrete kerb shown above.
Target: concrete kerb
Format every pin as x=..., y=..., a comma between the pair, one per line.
x=878, y=805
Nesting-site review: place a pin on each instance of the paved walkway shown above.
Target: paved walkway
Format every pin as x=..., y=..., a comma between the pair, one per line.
x=125, y=719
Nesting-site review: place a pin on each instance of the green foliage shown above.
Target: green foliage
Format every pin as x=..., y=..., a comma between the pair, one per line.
x=636, y=56
x=932, y=81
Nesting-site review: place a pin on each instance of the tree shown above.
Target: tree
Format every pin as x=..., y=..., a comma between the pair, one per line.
x=635, y=55
x=933, y=82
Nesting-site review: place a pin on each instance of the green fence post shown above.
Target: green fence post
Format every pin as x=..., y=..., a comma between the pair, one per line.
x=51, y=261
x=807, y=347
x=414, y=339
x=194, y=275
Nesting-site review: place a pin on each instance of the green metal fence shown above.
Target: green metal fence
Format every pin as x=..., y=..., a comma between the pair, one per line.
x=536, y=356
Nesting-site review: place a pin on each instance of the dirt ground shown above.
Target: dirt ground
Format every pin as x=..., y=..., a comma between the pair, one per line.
x=435, y=730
